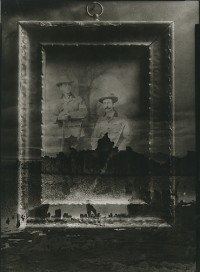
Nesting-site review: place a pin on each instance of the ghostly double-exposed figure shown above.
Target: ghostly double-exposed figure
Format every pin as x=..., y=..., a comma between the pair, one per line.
x=71, y=111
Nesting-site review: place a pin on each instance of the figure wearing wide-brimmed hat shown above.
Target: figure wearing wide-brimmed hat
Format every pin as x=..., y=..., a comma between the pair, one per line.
x=70, y=112
x=65, y=79
x=109, y=96
x=117, y=128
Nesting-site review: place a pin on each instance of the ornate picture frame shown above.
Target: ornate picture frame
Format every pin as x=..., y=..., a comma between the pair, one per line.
x=149, y=42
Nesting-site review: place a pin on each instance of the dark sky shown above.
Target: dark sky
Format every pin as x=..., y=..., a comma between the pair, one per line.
x=183, y=13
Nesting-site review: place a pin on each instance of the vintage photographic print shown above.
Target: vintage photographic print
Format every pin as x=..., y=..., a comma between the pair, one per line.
x=99, y=141
x=96, y=120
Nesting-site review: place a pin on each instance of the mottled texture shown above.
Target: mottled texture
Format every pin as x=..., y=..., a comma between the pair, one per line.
x=120, y=251
x=113, y=250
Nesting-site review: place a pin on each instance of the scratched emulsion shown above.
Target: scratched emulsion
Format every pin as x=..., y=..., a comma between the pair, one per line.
x=113, y=190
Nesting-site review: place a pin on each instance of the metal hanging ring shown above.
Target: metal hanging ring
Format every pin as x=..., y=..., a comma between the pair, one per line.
x=96, y=15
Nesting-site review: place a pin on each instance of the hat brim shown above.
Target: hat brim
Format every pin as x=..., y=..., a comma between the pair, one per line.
x=64, y=82
x=113, y=98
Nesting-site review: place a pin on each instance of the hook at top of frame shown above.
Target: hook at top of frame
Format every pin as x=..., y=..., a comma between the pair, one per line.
x=94, y=9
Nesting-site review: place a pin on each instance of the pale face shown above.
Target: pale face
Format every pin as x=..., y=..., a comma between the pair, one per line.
x=65, y=88
x=108, y=105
